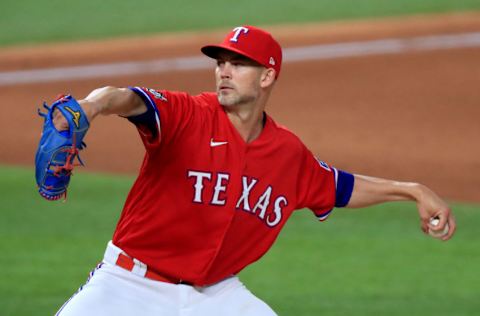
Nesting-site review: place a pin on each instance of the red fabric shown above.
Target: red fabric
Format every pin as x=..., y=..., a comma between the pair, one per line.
x=127, y=263
x=185, y=217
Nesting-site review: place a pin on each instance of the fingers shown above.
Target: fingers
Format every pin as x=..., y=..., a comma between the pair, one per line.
x=59, y=121
x=452, y=227
x=441, y=226
x=424, y=225
x=425, y=220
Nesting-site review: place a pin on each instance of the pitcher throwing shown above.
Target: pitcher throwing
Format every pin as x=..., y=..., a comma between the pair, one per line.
x=219, y=180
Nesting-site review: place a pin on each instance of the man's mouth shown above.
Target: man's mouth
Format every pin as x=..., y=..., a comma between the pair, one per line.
x=224, y=86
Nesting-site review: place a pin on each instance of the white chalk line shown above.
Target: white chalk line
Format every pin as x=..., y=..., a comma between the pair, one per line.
x=294, y=54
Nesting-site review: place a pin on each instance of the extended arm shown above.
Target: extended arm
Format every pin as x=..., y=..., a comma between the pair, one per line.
x=370, y=191
x=105, y=101
x=58, y=150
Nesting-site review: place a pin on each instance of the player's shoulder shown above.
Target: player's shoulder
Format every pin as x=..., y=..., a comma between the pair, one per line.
x=203, y=100
x=206, y=99
x=173, y=97
x=286, y=136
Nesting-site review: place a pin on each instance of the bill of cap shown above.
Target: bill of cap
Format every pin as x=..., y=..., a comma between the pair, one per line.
x=212, y=51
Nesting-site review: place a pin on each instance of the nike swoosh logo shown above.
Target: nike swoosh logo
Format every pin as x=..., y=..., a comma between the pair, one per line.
x=215, y=144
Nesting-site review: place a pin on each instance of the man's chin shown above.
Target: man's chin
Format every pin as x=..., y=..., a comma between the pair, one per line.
x=225, y=101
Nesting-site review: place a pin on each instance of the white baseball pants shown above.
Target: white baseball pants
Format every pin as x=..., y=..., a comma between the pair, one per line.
x=112, y=290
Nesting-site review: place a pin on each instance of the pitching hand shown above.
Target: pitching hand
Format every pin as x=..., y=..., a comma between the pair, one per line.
x=430, y=205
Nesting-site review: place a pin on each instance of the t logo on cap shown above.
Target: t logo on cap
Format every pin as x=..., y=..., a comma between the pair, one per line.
x=238, y=30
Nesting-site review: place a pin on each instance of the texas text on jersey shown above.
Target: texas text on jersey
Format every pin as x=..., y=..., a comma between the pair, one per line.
x=230, y=199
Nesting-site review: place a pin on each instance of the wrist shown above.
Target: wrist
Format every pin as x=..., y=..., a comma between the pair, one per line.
x=411, y=190
x=417, y=191
x=90, y=109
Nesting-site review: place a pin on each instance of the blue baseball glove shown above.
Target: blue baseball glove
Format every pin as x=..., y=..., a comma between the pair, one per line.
x=54, y=160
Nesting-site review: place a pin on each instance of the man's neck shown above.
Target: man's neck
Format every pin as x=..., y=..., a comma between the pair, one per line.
x=248, y=121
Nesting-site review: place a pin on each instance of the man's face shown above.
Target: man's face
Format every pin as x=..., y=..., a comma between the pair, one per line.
x=237, y=79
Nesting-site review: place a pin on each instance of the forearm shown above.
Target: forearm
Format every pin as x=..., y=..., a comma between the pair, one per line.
x=370, y=191
x=111, y=100
x=105, y=101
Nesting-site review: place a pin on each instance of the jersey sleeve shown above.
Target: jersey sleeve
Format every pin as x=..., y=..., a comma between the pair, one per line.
x=167, y=113
x=322, y=187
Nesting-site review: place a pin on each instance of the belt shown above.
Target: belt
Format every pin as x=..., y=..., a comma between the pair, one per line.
x=116, y=256
x=129, y=264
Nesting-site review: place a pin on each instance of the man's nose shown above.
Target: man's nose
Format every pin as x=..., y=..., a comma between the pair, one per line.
x=226, y=70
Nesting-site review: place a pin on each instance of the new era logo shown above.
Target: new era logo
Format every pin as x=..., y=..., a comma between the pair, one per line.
x=271, y=61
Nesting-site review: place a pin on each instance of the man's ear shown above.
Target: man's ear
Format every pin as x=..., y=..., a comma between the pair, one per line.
x=268, y=77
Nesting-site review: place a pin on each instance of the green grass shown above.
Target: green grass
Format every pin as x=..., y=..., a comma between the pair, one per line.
x=29, y=21
x=371, y=262
x=363, y=262
x=48, y=248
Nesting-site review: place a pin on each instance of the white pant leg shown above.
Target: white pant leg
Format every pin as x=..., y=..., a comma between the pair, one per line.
x=231, y=298
x=115, y=291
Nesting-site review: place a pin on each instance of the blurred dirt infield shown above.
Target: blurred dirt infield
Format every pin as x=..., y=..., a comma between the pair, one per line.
x=412, y=116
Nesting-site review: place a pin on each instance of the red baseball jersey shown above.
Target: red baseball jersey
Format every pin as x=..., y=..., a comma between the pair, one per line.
x=206, y=204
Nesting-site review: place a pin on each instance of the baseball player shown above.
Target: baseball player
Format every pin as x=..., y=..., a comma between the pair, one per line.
x=219, y=180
